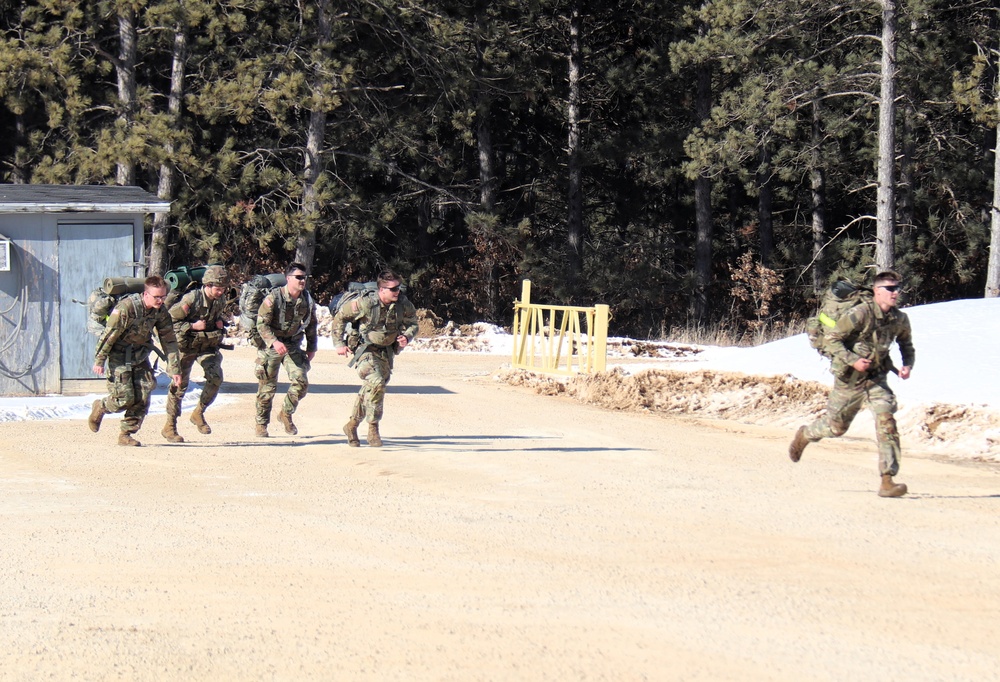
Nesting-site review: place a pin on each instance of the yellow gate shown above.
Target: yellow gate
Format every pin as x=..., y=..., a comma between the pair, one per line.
x=559, y=339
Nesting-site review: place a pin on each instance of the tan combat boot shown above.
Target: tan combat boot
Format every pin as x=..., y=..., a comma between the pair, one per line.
x=286, y=420
x=890, y=489
x=351, y=431
x=170, y=430
x=261, y=431
x=374, y=439
x=97, y=413
x=198, y=419
x=799, y=444
x=127, y=439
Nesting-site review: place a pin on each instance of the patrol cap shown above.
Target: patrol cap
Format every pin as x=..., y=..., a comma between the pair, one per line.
x=214, y=274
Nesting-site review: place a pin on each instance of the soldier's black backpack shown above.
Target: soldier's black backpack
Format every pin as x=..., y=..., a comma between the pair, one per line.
x=104, y=298
x=356, y=290
x=839, y=298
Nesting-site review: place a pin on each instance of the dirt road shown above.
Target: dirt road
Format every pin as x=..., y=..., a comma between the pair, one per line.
x=499, y=535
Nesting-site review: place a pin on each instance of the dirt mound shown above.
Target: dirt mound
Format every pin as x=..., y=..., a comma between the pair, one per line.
x=474, y=338
x=714, y=394
x=959, y=432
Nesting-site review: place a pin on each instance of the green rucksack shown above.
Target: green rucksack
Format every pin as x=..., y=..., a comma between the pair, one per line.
x=841, y=297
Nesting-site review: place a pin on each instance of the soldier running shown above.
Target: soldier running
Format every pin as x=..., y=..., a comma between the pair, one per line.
x=199, y=326
x=859, y=346
x=285, y=317
x=124, y=347
x=386, y=325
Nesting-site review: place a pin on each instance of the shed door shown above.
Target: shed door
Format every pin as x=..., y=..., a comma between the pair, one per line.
x=87, y=254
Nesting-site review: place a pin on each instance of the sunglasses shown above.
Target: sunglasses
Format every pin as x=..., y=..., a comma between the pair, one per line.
x=890, y=287
x=301, y=278
x=158, y=298
x=395, y=288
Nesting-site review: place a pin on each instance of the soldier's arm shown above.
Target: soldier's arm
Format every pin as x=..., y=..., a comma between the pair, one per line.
x=311, y=337
x=904, y=339
x=847, y=327
x=410, y=326
x=348, y=313
x=117, y=323
x=168, y=341
x=180, y=311
x=265, y=317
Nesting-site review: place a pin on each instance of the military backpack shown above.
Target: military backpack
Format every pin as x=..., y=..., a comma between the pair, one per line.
x=104, y=298
x=355, y=291
x=839, y=298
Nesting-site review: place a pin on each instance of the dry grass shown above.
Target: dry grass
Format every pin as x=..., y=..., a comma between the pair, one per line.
x=724, y=335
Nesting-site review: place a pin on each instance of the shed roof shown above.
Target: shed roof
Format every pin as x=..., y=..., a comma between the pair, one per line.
x=79, y=198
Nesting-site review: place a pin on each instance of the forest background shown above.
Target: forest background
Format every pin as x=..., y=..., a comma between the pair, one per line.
x=692, y=164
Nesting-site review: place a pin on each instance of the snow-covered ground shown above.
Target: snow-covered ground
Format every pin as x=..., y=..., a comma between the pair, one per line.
x=957, y=358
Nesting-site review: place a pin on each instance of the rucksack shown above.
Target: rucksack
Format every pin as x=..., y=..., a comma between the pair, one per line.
x=104, y=298
x=841, y=297
x=182, y=280
x=356, y=290
x=252, y=294
x=175, y=294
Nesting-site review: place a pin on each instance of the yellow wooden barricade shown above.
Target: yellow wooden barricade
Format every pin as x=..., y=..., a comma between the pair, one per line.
x=559, y=339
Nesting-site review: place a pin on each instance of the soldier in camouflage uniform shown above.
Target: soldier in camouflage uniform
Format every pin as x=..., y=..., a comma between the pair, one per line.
x=199, y=327
x=386, y=325
x=124, y=347
x=859, y=346
x=286, y=316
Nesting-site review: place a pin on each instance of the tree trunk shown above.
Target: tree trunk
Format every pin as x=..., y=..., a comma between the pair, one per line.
x=125, y=67
x=19, y=169
x=993, y=268
x=703, y=209
x=158, y=259
x=312, y=164
x=885, y=256
x=487, y=166
x=765, y=196
x=575, y=198
x=907, y=175
x=817, y=185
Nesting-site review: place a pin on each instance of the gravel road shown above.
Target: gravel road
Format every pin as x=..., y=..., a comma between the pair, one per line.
x=500, y=534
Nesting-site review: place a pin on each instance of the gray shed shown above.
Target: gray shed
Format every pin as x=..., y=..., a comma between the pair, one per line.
x=57, y=244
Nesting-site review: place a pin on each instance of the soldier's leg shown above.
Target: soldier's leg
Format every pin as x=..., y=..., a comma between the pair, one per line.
x=373, y=368
x=842, y=407
x=211, y=365
x=119, y=385
x=175, y=394
x=143, y=383
x=297, y=367
x=882, y=402
x=266, y=371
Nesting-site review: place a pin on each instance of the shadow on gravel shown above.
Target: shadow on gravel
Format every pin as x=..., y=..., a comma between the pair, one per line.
x=246, y=387
x=470, y=443
x=926, y=496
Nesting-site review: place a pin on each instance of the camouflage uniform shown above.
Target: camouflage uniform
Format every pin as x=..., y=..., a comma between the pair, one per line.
x=124, y=347
x=197, y=346
x=865, y=331
x=374, y=347
x=282, y=318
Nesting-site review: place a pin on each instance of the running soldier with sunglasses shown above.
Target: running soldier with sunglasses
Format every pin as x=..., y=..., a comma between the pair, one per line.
x=385, y=324
x=286, y=316
x=859, y=346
